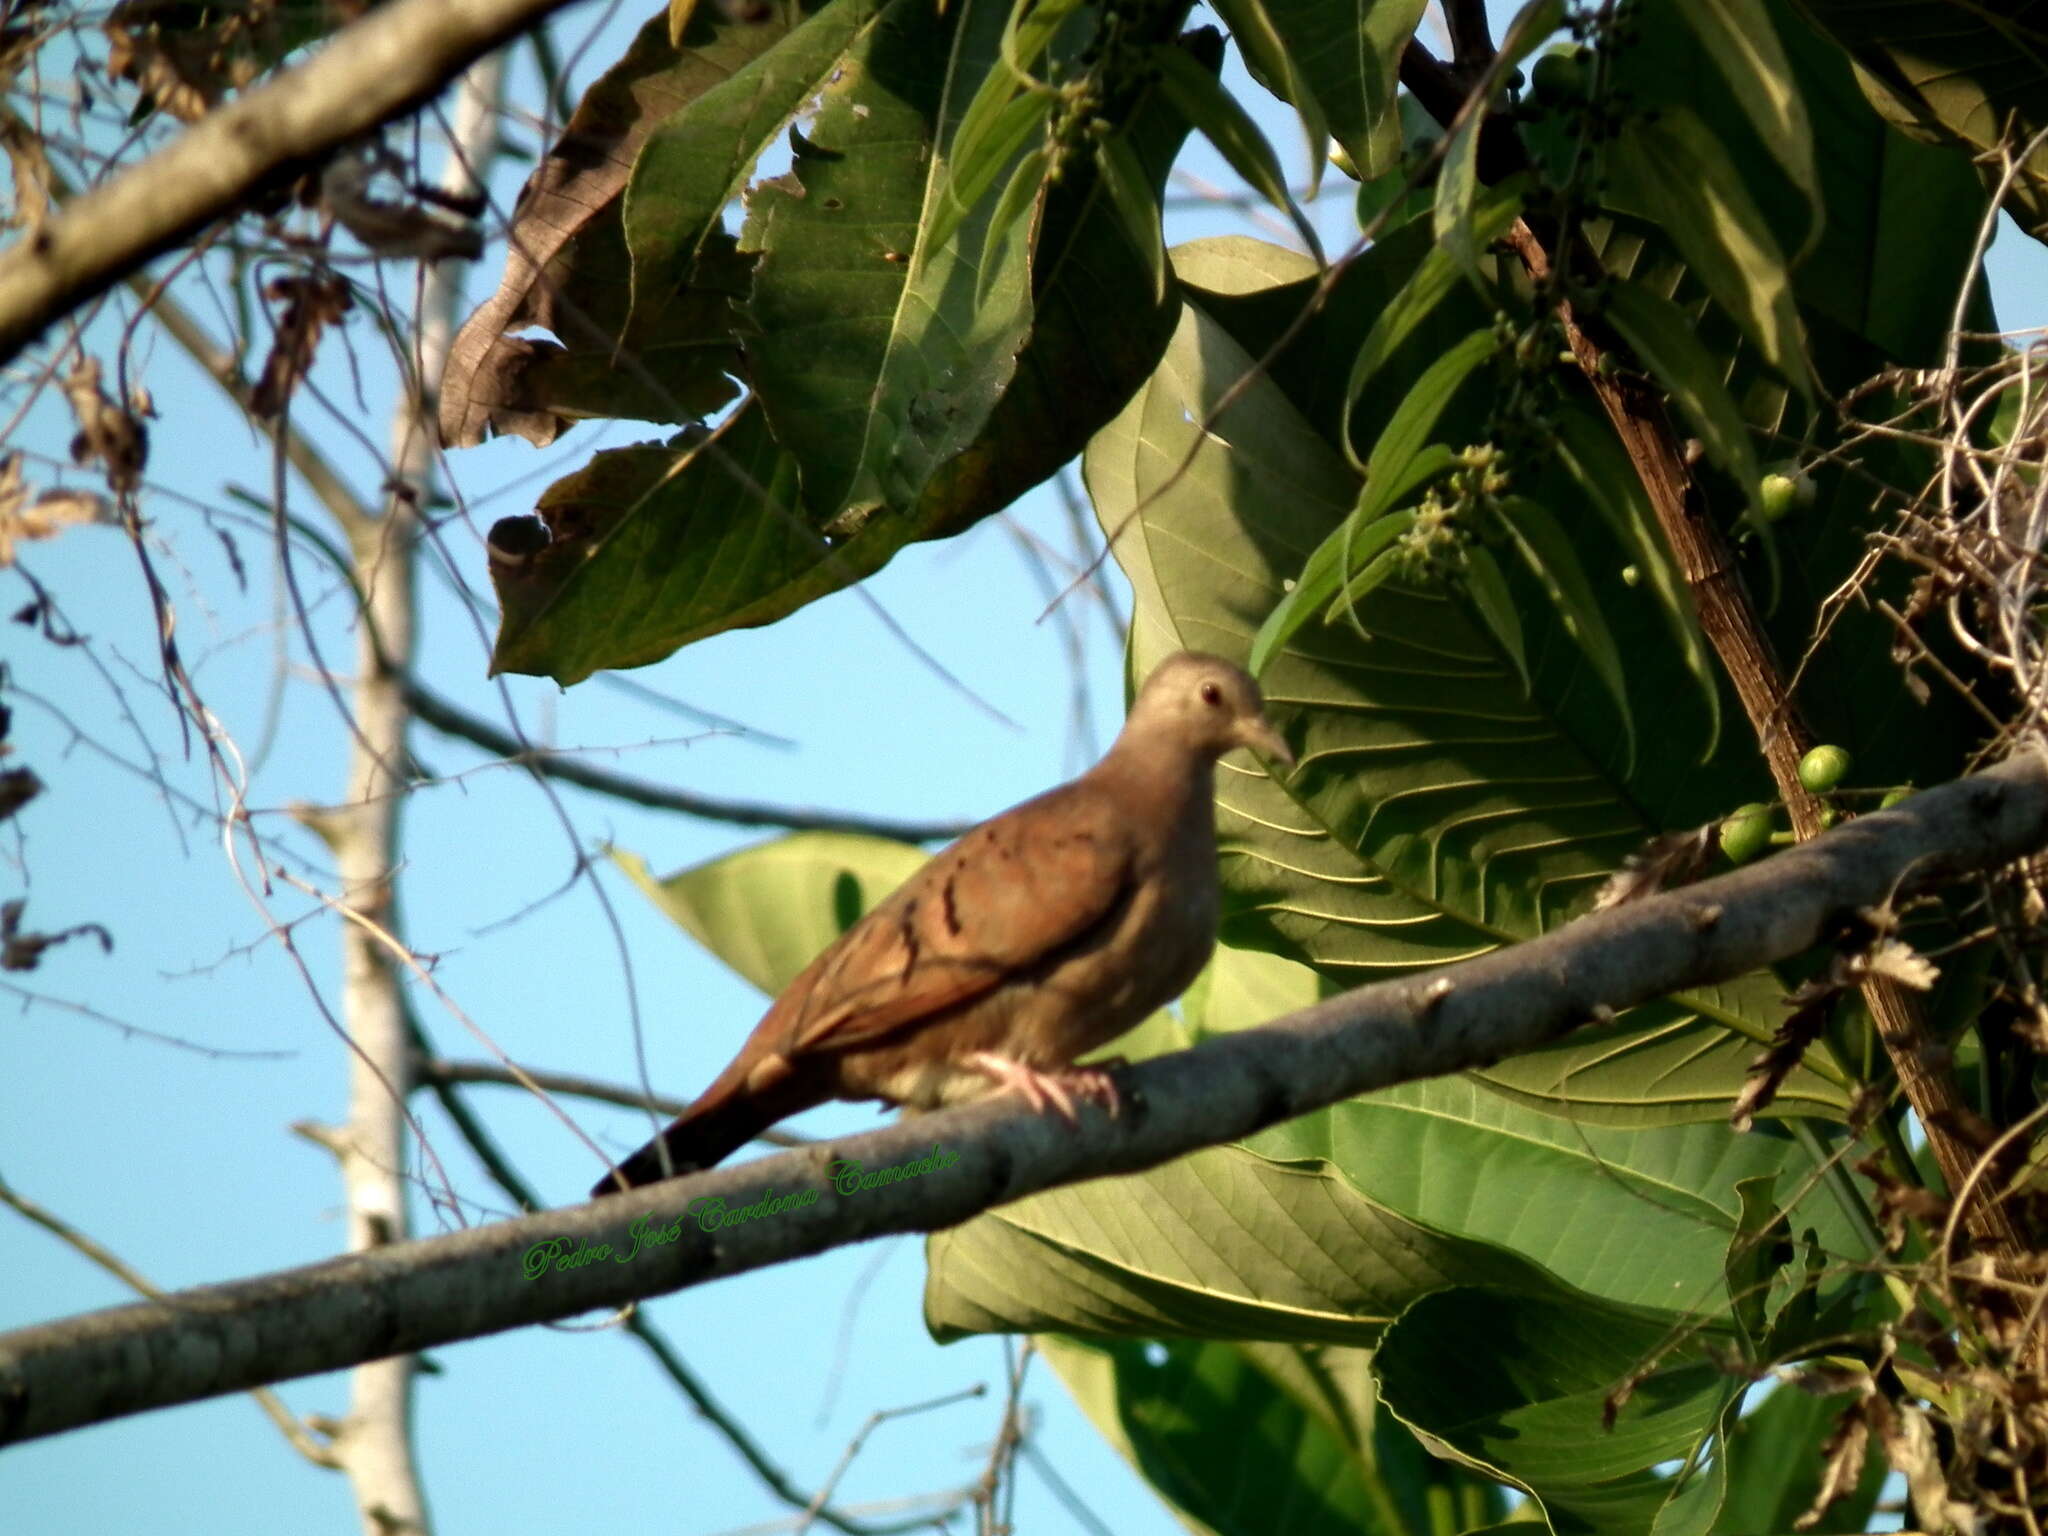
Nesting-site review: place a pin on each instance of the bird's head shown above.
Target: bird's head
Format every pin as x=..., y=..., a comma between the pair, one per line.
x=1207, y=704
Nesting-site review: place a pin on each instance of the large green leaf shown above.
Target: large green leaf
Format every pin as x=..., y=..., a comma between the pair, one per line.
x=1349, y=54
x=1676, y=167
x=699, y=159
x=1899, y=217
x=1245, y=1439
x=768, y=910
x=656, y=546
x=1530, y=1400
x=1971, y=76
x=1439, y=811
x=1639, y=1217
x=1219, y=1244
x=863, y=342
x=1775, y=1454
x=1741, y=39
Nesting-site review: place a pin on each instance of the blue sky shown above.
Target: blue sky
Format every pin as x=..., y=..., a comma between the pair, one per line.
x=185, y=1164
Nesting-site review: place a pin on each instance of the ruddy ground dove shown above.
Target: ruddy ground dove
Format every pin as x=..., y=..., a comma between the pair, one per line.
x=1040, y=935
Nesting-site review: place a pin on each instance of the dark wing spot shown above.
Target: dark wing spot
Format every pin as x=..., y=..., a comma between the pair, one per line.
x=950, y=907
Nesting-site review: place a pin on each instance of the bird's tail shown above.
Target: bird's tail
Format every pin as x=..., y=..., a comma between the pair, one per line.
x=722, y=1121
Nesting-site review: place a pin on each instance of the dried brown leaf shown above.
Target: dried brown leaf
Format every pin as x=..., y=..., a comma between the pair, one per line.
x=1902, y=963
x=1843, y=1453
x=108, y=435
x=311, y=304
x=1674, y=859
x=1767, y=1073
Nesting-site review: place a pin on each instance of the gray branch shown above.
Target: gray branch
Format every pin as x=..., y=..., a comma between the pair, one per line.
x=414, y=1296
x=372, y=71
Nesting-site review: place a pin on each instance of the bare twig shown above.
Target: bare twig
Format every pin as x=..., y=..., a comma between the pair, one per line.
x=372, y=71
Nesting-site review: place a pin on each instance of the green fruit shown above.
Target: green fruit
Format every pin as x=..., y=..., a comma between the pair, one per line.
x=1893, y=796
x=1557, y=78
x=1823, y=768
x=1744, y=834
x=1779, y=496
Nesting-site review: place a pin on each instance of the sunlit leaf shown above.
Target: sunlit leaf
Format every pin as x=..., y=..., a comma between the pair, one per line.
x=1675, y=167
x=1739, y=38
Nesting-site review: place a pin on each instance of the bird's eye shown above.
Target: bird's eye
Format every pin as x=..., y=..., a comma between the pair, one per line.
x=1211, y=695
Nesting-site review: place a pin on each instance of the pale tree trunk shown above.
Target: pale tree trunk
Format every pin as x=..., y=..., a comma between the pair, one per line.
x=375, y=1443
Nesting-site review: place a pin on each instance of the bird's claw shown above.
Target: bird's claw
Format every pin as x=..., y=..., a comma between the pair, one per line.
x=1051, y=1090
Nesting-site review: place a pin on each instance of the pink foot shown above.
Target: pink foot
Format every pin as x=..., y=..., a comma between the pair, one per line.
x=1050, y=1090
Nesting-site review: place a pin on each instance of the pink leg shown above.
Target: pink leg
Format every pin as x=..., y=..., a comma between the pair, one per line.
x=1049, y=1090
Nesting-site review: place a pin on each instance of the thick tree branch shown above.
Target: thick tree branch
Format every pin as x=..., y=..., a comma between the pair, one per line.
x=414, y=1296
x=377, y=69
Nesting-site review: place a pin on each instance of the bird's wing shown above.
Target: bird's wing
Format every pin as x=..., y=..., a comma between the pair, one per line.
x=1004, y=898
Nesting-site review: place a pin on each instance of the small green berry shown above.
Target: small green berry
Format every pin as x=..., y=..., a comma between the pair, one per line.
x=1744, y=833
x=1893, y=796
x=1778, y=494
x=1557, y=78
x=1823, y=768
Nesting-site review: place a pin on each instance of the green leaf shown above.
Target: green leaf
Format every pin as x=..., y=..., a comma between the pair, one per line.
x=1030, y=30
x=1673, y=166
x=1348, y=54
x=1588, y=449
x=1898, y=218
x=698, y=159
x=1434, y=277
x=1344, y=552
x=1378, y=571
x=1408, y=430
x=1244, y=1439
x=1457, y=189
x=1218, y=1244
x=1018, y=195
x=1739, y=37
x=1661, y=336
x=1642, y=1218
x=1530, y=1396
x=1970, y=76
x=671, y=541
x=1495, y=605
x=1458, y=176
x=1278, y=66
x=1441, y=809
x=1775, y=1454
x=1547, y=549
x=864, y=345
x=1198, y=96
x=1130, y=193
x=978, y=161
x=769, y=910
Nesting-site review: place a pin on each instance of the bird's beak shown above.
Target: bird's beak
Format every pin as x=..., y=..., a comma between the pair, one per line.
x=1258, y=734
